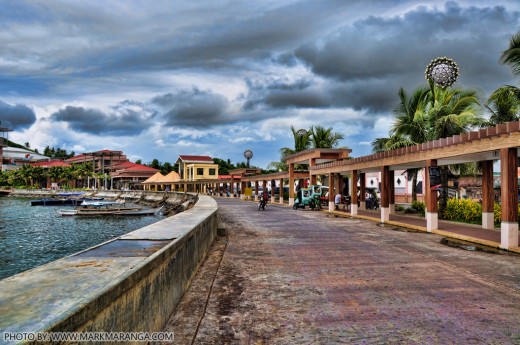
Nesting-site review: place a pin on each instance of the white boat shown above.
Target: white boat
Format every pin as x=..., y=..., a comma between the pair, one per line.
x=102, y=208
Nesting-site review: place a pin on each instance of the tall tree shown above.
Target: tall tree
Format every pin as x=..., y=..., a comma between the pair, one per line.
x=511, y=56
x=324, y=138
x=302, y=141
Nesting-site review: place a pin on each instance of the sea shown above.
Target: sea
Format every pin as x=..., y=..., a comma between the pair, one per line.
x=31, y=236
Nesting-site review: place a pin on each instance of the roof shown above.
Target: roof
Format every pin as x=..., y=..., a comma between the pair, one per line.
x=23, y=154
x=123, y=165
x=171, y=177
x=190, y=158
x=51, y=164
x=138, y=167
x=155, y=178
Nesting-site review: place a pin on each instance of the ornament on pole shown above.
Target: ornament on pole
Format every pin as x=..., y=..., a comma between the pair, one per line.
x=442, y=71
x=248, y=154
x=301, y=132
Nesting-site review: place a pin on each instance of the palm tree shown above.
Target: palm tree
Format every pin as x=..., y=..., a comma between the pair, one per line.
x=504, y=105
x=324, y=138
x=452, y=111
x=511, y=56
x=26, y=173
x=55, y=173
x=301, y=142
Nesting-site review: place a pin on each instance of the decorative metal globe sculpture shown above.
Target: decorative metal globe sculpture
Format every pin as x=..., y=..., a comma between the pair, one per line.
x=301, y=132
x=248, y=154
x=443, y=71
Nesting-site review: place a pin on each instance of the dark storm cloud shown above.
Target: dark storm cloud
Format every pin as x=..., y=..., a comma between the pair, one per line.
x=124, y=121
x=376, y=56
x=192, y=108
x=280, y=94
x=16, y=116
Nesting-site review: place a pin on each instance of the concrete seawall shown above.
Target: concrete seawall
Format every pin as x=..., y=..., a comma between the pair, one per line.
x=129, y=284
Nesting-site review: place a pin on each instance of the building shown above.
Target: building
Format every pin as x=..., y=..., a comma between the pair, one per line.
x=128, y=175
x=193, y=168
x=103, y=161
x=14, y=157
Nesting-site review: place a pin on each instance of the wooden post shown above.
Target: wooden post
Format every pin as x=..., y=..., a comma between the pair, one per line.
x=432, y=216
x=291, y=184
x=488, y=219
x=362, y=191
x=509, y=197
x=353, y=194
x=385, y=194
x=331, y=192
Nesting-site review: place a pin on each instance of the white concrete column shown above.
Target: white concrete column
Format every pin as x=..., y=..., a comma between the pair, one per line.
x=508, y=235
x=432, y=221
x=331, y=205
x=488, y=220
x=362, y=205
x=385, y=214
x=392, y=208
x=353, y=210
x=291, y=201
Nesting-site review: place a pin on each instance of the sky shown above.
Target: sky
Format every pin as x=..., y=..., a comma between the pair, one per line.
x=157, y=79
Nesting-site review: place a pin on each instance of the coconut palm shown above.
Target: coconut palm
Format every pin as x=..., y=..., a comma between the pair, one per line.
x=324, y=138
x=302, y=142
x=511, y=56
x=504, y=105
x=55, y=173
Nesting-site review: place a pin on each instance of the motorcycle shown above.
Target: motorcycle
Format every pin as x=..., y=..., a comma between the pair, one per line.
x=372, y=203
x=262, y=204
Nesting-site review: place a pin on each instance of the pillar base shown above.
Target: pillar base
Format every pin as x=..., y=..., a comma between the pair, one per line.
x=432, y=221
x=332, y=206
x=508, y=235
x=291, y=201
x=273, y=200
x=353, y=210
x=392, y=208
x=385, y=214
x=488, y=220
x=362, y=205
x=256, y=197
x=281, y=201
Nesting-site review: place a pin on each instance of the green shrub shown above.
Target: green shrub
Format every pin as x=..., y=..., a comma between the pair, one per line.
x=419, y=206
x=464, y=210
x=399, y=208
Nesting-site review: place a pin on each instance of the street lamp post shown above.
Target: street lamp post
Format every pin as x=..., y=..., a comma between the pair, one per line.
x=248, y=154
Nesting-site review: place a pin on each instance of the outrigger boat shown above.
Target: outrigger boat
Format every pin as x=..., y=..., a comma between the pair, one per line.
x=64, y=199
x=102, y=208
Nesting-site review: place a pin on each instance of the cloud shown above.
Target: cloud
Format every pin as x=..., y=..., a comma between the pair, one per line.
x=16, y=116
x=192, y=108
x=121, y=121
x=372, y=58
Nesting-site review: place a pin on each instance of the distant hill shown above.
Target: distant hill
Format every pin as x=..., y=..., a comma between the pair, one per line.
x=13, y=144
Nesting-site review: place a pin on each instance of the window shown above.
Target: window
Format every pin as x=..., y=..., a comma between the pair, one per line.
x=212, y=171
x=200, y=171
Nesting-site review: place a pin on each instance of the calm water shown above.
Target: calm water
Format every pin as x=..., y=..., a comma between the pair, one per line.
x=34, y=235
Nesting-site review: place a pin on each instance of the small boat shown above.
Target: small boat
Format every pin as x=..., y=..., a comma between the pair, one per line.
x=104, y=208
x=61, y=201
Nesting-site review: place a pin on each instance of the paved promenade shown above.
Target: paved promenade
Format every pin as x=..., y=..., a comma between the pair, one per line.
x=302, y=277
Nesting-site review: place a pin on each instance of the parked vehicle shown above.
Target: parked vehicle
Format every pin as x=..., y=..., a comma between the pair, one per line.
x=310, y=197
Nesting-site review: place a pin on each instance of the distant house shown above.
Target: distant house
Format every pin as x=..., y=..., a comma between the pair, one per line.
x=128, y=175
x=194, y=168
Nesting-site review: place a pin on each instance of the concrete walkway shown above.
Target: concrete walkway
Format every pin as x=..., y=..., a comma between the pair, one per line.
x=304, y=277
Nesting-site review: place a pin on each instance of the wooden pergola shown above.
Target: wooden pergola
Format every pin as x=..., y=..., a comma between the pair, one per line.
x=313, y=158
x=501, y=142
